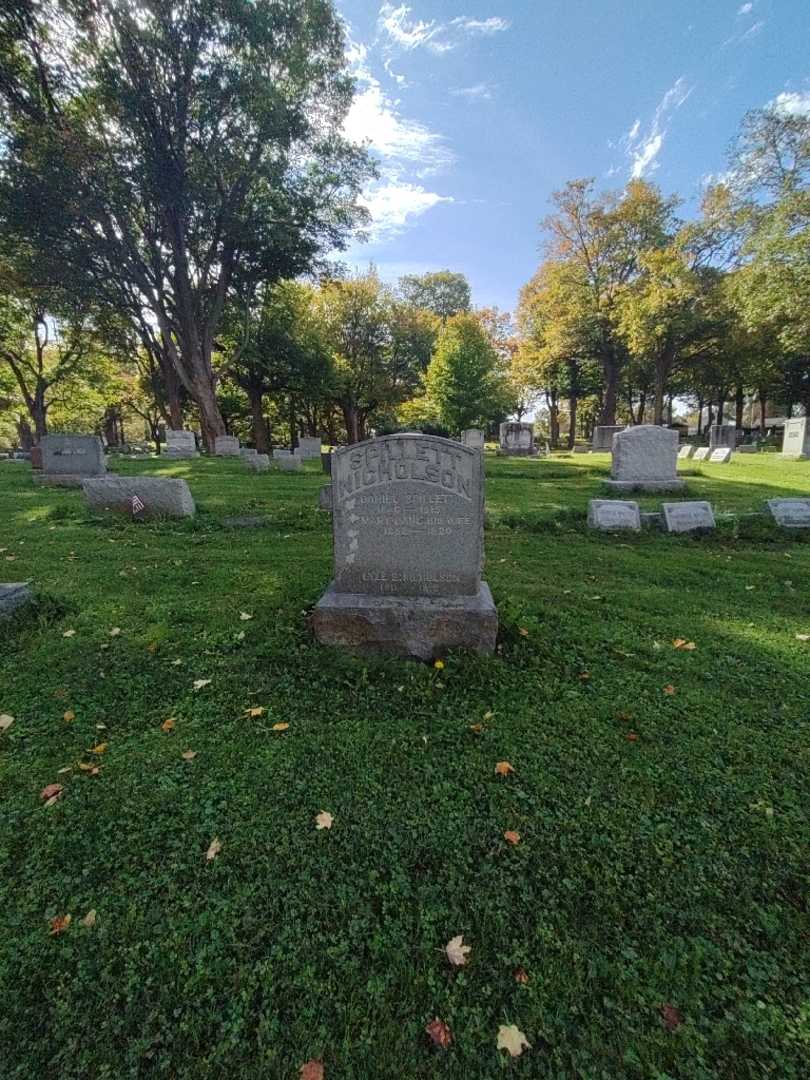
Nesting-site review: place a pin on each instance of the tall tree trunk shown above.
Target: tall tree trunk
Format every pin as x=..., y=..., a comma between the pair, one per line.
x=610, y=371
x=663, y=366
x=553, y=418
x=573, y=403
x=39, y=411
x=292, y=417
x=258, y=422
x=24, y=433
x=669, y=409
x=174, y=401
x=700, y=416
x=642, y=405
x=721, y=404
x=739, y=404
x=351, y=420
x=763, y=407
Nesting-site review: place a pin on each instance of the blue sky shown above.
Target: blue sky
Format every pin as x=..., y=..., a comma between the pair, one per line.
x=478, y=110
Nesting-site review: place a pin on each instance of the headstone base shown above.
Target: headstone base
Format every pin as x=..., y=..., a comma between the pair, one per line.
x=645, y=485
x=59, y=479
x=516, y=452
x=13, y=595
x=422, y=627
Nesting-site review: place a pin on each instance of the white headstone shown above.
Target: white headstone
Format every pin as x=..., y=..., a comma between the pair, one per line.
x=612, y=514
x=309, y=447
x=791, y=513
x=701, y=453
x=226, y=446
x=517, y=438
x=721, y=456
x=796, y=440
x=180, y=443
x=645, y=458
x=686, y=451
x=473, y=438
x=687, y=516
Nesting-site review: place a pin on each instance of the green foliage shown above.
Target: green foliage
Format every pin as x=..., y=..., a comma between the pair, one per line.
x=444, y=293
x=464, y=383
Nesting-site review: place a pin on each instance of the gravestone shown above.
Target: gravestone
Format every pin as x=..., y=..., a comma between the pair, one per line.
x=791, y=513
x=603, y=437
x=517, y=439
x=408, y=549
x=180, y=444
x=796, y=440
x=701, y=453
x=686, y=451
x=68, y=459
x=326, y=463
x=309, y=447
x=13, y=595
x=140, y=496
x=226, y=446
x=36, y=458
x=612, y=514
x=257, y=462
x=721, y=456
x=290, y=463
x=645, y=459
x=281, y=453
x=325, y=498
x=722, y=435
x=748, y=448
x=687, y=516
x=473, y=438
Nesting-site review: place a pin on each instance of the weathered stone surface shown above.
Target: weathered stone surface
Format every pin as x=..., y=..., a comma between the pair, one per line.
x=517, y=439
x=610, y=514
x=72, y=455
x=13, y=595
x=686, y=452
x=180, y=444
x=473, y=438
x=309, y=447
x=748, y=448
x=645, y=459
x=325, y=498
x=248, y=451
x=155, y=496
x=603, y=437
x=73, y=480
x=796, y=439
x=722, y=435
x=280, y=452
x=291, y=463
x=326, y=463
x=36, y=458
x=687, y=516
x=258, y=462
x=226, y=446
x=701, y=453
x=721, y=456
x=791, y=513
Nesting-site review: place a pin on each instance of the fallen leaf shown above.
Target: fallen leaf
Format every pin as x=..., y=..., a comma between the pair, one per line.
x=200, y=683
x=523, y=631
x=5, y=721
x=214, y=849
x=669, y=690
x=521, y=975
x=513, y=1040
x=256, y=710
x=750, y=588
x=244, y=616
x=60, y=923
x=69, y=633
x=51, y=792
x=116, y=630
x=477, y=728
x=488, y=715
x=457, y=951
x=167, y=725
x=631, y=736
x=672, y=1017
x=439, y=665
x=503, y=768
x=511, y=837
x=90, y=919
x=686, y=646
x=188, y=755
x=439, y=1033
x=240, y=636
x=279, y=727
x=803, y=637
x=101, y=748
x=69, y=715
x=311, y=1070
x=584, y=676
x=324, y=820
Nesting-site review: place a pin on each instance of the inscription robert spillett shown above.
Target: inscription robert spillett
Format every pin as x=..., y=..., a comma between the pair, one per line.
x=407, y=518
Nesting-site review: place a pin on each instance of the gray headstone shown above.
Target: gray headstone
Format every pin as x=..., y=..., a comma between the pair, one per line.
x=473, y=438
x=748, y=448
x=791, y=513
x=701, y=453
x=226, y=446
x=291, y=463
x=281, y=453
x=687, y=516
x=408, y=546
x=610, y=514
x=722, y=435
x=309, y=447
x=325, y=498
x=248, y=451
x=517, y=438
x=796, y=439
x=721, y=456
x=645, y=458
x=686, y=451
x=258, y=462
x=603, y=436
x=180, y=443
x=72, y=455
x=13, y=595
x=140, y=496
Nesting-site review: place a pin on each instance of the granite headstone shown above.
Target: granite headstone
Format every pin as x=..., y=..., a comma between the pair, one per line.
x=611, y=514
x=701, y=453
x=226, y=446
x=682, y=517
x=645, y=459
x=721, y=456
x=140, y=496
x=67, y=459
x=473, y=438
x=791, y=513
x=309, y=447
x=180, y=443
x=603, y=437
x=517, y=439
x=796, y=439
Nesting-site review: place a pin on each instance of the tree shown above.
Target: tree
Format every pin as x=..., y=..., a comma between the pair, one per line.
x=444, y=292
x=464, y=381
x=175, y=144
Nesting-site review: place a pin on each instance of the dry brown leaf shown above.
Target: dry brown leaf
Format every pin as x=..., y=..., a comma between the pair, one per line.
x=683, y=644
x=69, y=716
x=167, y=725
x=439, y=1033
x=188, y=755
x=254, y=711
x=631, y=736
x=672, y=1017
x=513, y=1040
x=279, y=727
x=670, y=690
x=324, y=820
x=59, y=923
x=503, y=768
x=521, y=975
x=52, y=791
x=523, y=631
x=584, y=676
x=5, y=721
x=214, y=849
x=477, y=728
x=311, y=1070
x=511, y=837
x=90, y=919
x=457, y=951
x=100, y=748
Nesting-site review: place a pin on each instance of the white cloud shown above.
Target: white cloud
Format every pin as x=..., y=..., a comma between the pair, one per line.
x=394, y=206
x=410, y=33
x=753, y=30
x=792, y=103
x=746, y=9
x=493, y=25
x=479, y=92
x=643, y=148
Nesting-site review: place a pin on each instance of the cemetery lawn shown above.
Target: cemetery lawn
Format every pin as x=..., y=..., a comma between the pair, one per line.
x=656, y=899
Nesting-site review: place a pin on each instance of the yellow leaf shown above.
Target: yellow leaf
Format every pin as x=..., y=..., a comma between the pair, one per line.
x=279, y=727
x=457, y=951
x=5, y=721
x=90, y=919
x=100, y=748
x=85, y=767
x=60, y=923
x=523, y=631
x=477, y=728
x=69, y=715
x=255, y=710
x=511, y=1039
x=214, y=849
x=503, y=768
x=682, y=643
x=167, y=725
x=324, y=820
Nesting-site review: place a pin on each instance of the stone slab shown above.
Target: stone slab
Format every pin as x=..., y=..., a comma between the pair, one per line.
x=611, y=514
x=796, y=438
x=180, y=443
x=248, y=451
x=645, y=485
x=158, y=496
x=722, y=435
x=258, y=462
x=682, y=517
x=474, y=438
x=325, y=498
x=791, y=513
x=686, y=452
x=602, y=441
x=291, y=463
x=701, y=453
x=517, y=438
x=72, y=455
x=420, y=627
x=13, y=595
x=309, y=447
x=226, y=446
x=720, y=456
x=646, y=453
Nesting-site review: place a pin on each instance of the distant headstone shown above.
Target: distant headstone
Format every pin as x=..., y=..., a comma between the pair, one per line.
x=281, y=453
x=67, y=459
x=748, y=448
x=686, y=451
x=517, y=438
x=257, y=462
x=701, y=453
x=13, y=595
x=796, y=440
x=722, y=435
x=326, y=463
x=248, y=451
x=721, y=456
x=791, y=513
x=180, y=444
x=291, y=463
x=603, y=436
x=36, y=458
x=408, y=545
x=473, y=438
x=325, y=498
x=140, y=496
x=645, y=459
x=580, y=449
x=226, y=446
x=610, y=514
x=309, y=447
x=687, y=516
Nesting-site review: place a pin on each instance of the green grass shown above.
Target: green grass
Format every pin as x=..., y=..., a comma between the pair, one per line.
x=668, y=869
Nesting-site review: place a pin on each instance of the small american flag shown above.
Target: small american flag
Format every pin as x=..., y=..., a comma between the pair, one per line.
x=137, y=505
